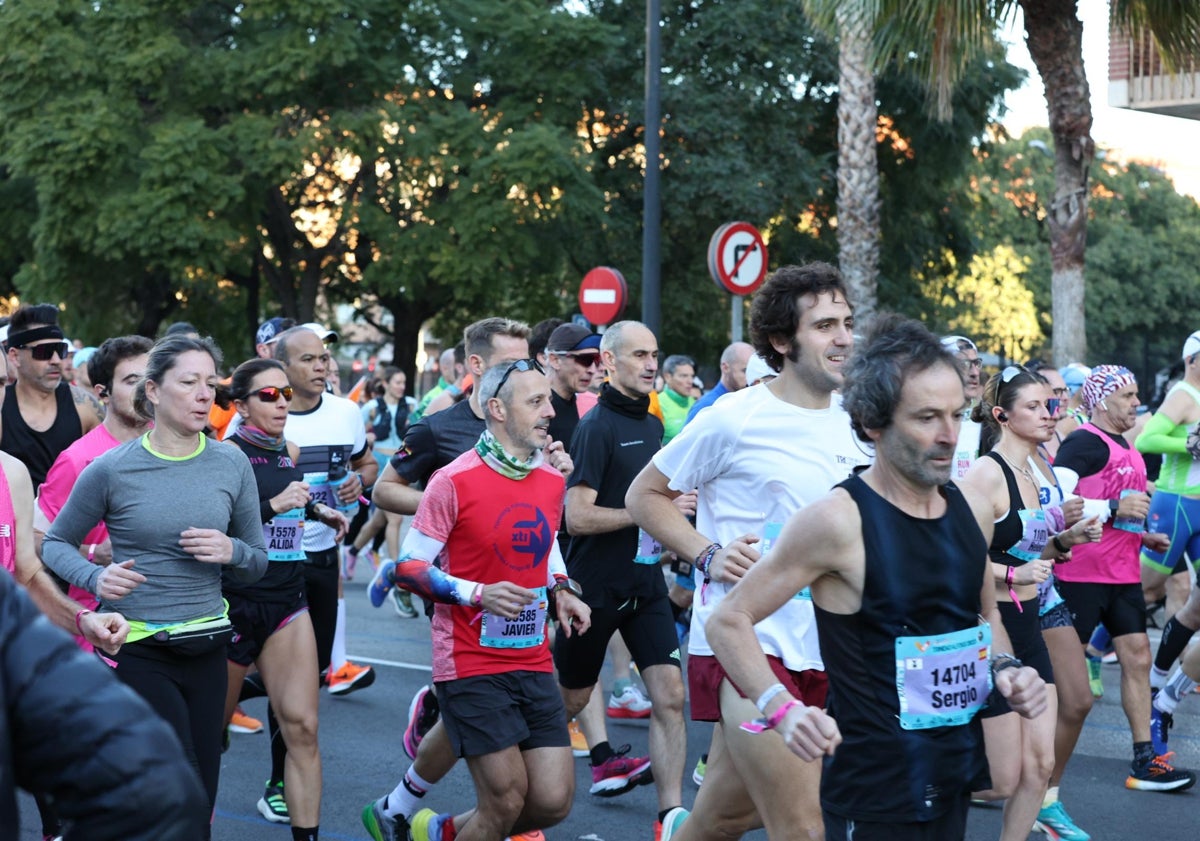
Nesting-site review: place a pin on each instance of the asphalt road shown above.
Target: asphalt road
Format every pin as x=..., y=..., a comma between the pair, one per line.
x=363, y=759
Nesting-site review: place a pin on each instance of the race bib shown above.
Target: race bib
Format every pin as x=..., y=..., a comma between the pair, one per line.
x=282, y=535
x=943, y=681
x=1048, y=596
x=1035, y=534
x=325, y=492
x=526, y=631
x=649, y=550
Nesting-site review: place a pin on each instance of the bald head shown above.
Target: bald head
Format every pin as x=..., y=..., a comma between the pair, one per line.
x=733, y=365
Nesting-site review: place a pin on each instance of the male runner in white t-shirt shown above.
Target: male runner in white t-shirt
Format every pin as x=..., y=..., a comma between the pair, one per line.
x=756, y=457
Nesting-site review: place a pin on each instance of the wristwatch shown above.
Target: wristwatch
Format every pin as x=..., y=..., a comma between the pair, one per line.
x=1113, y=505
x=570, y=585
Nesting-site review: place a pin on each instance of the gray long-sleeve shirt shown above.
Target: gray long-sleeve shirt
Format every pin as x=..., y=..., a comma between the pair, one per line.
x=147, y=501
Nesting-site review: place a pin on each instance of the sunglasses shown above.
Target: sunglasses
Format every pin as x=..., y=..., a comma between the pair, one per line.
x=586, y=360
x=1053, y=405
x=46, y=352
x=522, y=365
x=270, y=394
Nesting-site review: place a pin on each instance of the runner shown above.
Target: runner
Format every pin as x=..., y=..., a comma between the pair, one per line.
x=970, y=436
x=179, y=510
x=271, y=625
x=491, y=517
x=1103, y=582
x=896, y=559
x=785, y=445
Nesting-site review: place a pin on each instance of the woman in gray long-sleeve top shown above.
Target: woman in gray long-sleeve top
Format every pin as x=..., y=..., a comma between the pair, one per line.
x=179, y=510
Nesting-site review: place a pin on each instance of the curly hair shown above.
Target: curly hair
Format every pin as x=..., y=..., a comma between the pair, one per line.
x=775, y=312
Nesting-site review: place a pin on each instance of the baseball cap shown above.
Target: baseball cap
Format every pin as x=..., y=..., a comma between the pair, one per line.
x=757, y=368
x=1074, y=375
x=1192, y=346
x=569, y=337
x=268, y=331
x=321, y=330
x=84, y=354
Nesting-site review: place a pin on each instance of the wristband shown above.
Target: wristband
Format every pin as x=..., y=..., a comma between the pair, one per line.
x=1012, y=592
x=477, y=596
x=91, y=553
x=1002, y=661
x=768, y=693
x=760, y=725
x=705, y=557
x=79, y=616
x=1058, y=544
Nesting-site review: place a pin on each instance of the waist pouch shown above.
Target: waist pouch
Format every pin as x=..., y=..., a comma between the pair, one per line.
x=322, y=558
x=193, y=640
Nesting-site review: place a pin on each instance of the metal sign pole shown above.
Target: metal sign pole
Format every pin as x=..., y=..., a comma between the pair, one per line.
x=736, y=332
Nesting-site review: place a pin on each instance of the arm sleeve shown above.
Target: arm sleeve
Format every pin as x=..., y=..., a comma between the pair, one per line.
x=416, y=573
x=245, y=529
x=1156, y=436
x=86, y=506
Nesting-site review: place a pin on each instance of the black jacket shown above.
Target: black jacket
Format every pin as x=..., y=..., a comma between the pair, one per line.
x=69, y=729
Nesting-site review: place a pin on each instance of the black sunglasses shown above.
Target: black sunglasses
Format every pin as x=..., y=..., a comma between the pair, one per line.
x=587, y=360
x=270, y=394
x=46, y=352
x=522, y=365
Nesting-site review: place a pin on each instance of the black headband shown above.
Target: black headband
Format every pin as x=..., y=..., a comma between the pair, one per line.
x=22, y=339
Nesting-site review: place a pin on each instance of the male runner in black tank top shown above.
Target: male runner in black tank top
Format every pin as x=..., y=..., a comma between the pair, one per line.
x=897, y=562
x=43, y=414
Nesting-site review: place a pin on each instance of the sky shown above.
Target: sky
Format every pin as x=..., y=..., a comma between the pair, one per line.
x=1166, y=142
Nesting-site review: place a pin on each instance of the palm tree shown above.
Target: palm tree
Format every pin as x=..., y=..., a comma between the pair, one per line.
x=940, y=35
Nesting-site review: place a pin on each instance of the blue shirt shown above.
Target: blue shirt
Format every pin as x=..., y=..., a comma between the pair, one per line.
x=706, y=401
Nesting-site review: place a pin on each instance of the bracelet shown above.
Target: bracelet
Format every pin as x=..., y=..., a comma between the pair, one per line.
x=1002, y=661
x=1058, y=544
x=91, y=553
x=477, y=596
x=705, y=557
x=760, y=725
x=1012, y=592
x=79, y=616
x=768, y=693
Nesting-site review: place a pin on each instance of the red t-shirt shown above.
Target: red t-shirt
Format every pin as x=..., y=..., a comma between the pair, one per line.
x=494, y=529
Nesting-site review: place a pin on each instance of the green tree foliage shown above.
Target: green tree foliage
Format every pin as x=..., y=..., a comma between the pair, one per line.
x=1143, y=248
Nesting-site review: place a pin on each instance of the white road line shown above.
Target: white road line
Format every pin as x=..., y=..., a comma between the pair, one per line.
x=416, y=667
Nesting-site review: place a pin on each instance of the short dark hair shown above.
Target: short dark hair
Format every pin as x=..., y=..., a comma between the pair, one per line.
x=28, y=314
x=163, y=356
x=102, y=366
x=181, y=328
x=477, y=337
x=244, y=374
x=675, y=360
x=775, y=311
x=894, y=348
x=540, y=335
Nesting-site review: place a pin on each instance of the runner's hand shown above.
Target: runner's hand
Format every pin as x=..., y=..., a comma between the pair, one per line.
x=334, y=519
x=1072, y=510
x=809, y=732
x=557, y=457
x=506, y=599
x=573, y=614
x=295, y=495
x=733, y=561
x=1156, y=541
x=350, y=489
x=106, y=631
x=207, y=545
x=1033, y=572
x=686, y=503
x=117, y=581
x=1024, y=690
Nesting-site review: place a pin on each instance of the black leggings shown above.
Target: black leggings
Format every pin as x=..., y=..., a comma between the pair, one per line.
x=189, y=694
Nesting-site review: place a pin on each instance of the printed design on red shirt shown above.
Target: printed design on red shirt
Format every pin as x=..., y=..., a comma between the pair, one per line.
x=523, y=536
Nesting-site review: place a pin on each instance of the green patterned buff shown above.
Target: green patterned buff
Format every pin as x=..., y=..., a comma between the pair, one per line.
x=496, y=457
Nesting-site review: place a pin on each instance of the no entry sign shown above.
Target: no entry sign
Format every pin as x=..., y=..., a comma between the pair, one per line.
x=737, y=258
x=602, y=295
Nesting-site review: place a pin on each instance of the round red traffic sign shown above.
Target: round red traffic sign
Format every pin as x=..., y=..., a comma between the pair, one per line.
x=602, y=295
x=737, y=258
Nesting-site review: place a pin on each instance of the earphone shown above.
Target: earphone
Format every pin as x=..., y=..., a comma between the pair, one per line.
x=1103, y=405
x=103, y=392
x=1002, y=416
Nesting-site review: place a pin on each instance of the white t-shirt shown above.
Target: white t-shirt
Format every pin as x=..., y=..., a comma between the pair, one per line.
x=756, y=460
x=332, y=433
x=966, y=452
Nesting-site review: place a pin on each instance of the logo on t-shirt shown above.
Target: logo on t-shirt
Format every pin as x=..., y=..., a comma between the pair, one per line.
x=523, y=536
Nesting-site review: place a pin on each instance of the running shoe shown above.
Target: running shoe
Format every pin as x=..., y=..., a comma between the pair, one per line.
x=1160, y=726
x=426, y=825
x=631, y=703
x=1054, y=822
x=242, y=723
x=665, y=830
x=402, y=601
x=701, y=767
x=423, y=713
x=383, y=580
x=535, y=835
x=273, y=806
x=349, y=562
x=350, y=678
x=1094, y=679
x=381, y=826
x=620, y=773
x=579, y=745
x=1110, y=658
x=1158, y=774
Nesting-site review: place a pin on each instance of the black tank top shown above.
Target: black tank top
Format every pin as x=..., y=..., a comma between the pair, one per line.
x=273, y=471
x=1009, y=530
x=38, y=450
x=922, y=577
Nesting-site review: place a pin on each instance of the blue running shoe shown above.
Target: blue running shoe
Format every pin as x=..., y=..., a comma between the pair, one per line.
x=382, y=583
x=1054, y=822
x=1160, y=725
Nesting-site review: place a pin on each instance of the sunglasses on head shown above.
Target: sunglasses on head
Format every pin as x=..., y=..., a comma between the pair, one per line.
x=522, y=365
x=46, y=352
x=270, y=394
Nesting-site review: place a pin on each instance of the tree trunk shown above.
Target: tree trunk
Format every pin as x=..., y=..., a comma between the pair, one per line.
x=1054, y=34
x=858, y=168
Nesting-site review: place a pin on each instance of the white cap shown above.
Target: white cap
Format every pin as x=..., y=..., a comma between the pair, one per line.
x=757, y=368
x=321, y=330
x=1192, y=346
